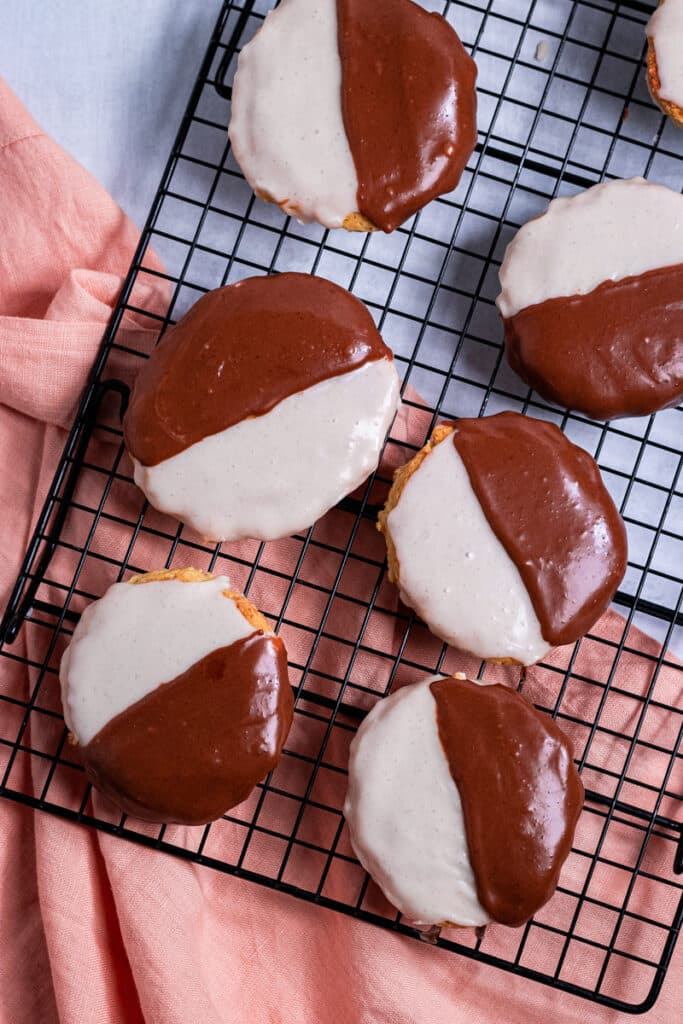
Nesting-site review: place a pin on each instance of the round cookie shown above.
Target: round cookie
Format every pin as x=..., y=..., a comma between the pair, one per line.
x=664, y=64
x=591, y=300
x=503, y=538
x=176, y=694
x=351, y=113
x=262, y=408
x=462, y=802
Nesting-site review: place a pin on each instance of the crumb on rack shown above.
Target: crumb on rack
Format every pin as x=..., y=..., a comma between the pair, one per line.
x=542, y=51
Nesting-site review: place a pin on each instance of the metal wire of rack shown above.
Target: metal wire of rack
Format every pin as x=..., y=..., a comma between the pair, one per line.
x=562, y=105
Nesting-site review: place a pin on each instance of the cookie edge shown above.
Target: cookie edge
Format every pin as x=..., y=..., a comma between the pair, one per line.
x=401, y=477
x=672, y=110
x=188, y=574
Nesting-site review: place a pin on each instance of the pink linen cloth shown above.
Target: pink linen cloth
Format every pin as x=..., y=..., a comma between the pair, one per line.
x=94, y=928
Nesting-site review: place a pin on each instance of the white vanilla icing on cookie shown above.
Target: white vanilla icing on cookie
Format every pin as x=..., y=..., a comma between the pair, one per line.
x=286, y=127
x=454, y=571
x=272, y=475
x=404, y=812
x=137, y=637
x=612, y=231
x=665, y=29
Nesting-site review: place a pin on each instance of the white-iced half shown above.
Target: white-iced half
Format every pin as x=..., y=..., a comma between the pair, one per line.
x=454, y=571
x=611, y=231
x=665, y=29
x=405, y=815
x=138, y=636
x=286, y=126
x=273, y=475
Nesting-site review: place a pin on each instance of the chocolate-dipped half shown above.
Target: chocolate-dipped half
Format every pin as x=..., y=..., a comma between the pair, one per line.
x=408, y=103
x=263, y=407
x=462, y=802
x=592, y=300
x=664, y=65
x=177, y=696
x=351, y=113
x=503, y=537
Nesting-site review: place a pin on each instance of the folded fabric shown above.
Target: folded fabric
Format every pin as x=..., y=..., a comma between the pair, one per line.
x=94, y=928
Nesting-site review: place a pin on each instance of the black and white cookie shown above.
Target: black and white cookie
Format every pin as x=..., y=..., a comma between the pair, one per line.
x=262, y=408
x=503, y=537
x=592, y=300
x=664, y=62
x=462, y=802
x=351, y=113
x=177, y=696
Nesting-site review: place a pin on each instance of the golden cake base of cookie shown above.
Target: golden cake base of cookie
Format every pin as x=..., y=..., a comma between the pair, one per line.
x=672, y=110
x=357, y=222
x=401, y=478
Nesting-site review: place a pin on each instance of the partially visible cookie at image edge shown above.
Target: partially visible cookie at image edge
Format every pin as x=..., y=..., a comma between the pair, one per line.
x=351, y=113
x=592, y=300
x=665, y=58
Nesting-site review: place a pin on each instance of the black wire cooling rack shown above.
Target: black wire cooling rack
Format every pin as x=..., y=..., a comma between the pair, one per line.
x=562, y=105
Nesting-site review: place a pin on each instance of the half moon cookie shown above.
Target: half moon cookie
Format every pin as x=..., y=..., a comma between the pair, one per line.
x=503, y=537
x=262, y=408
x=351, y=113
x=592, y=300
x=176, y=693
x=462, y=802
x=665, y=58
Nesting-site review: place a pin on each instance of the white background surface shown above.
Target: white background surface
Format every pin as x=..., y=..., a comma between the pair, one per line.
x=109, y=79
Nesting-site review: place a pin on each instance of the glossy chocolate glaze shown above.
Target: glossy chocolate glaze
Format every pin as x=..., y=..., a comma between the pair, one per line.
x=617, y=351
x=521, y=793
x=546, y=502
x=196, y=746
x=408, y=103
x=238, y=352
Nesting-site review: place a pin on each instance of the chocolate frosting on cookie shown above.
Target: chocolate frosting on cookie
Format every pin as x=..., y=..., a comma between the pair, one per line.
x=240, y=351
x=196, y=746
x=520, y=791
x=617, y=351
x=546, y=502
x=408, y=103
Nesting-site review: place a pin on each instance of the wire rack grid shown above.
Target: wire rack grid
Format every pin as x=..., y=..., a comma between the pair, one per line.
x=562, y=105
